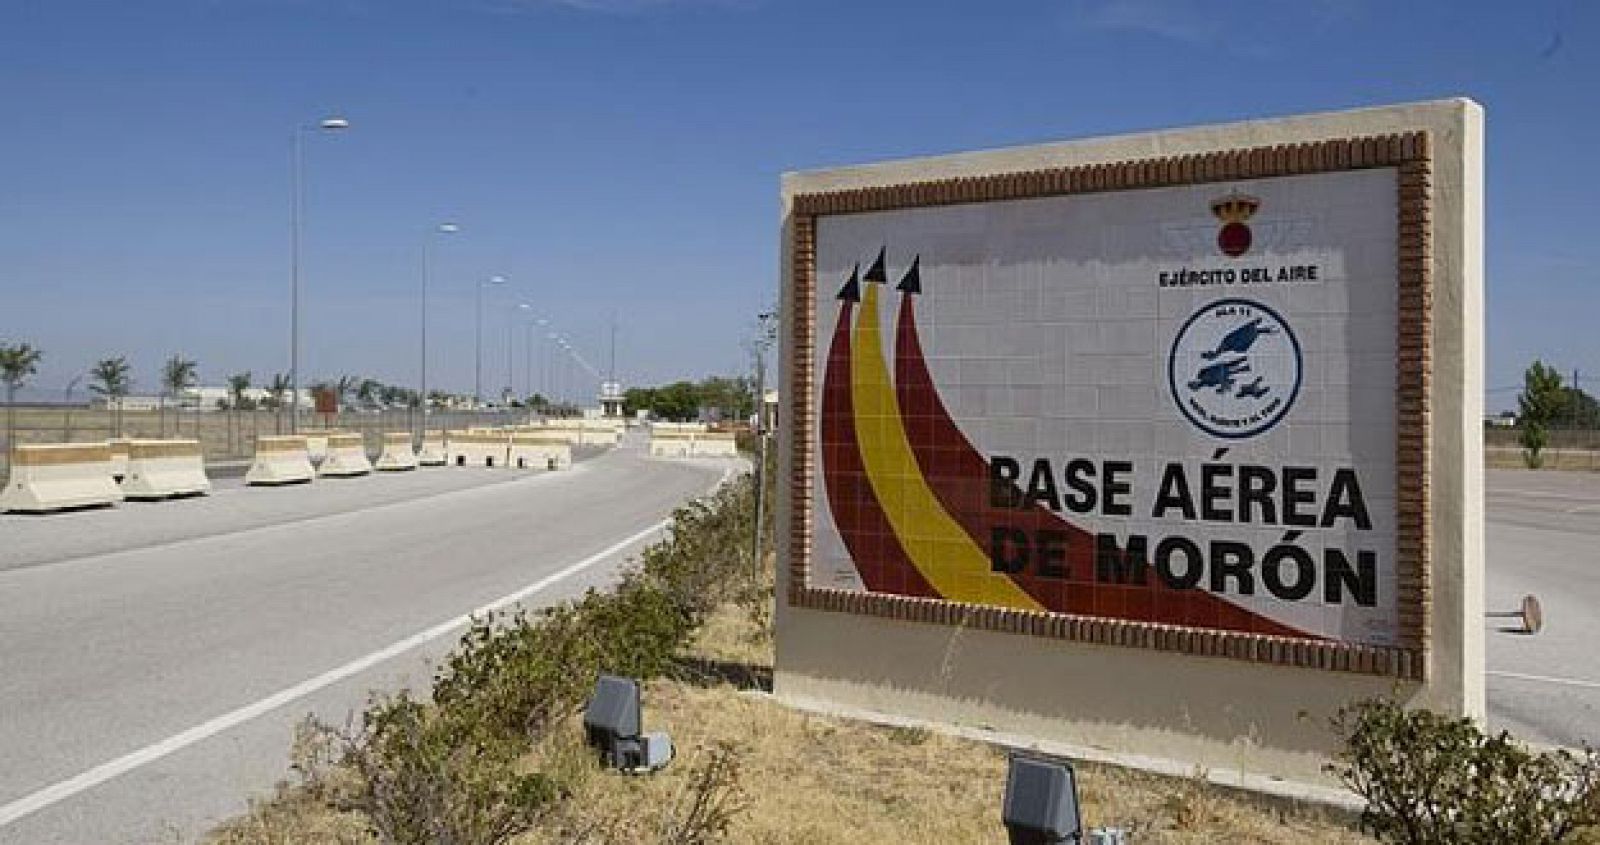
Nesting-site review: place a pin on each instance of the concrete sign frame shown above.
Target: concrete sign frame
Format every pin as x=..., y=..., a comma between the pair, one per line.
x=1434, y=657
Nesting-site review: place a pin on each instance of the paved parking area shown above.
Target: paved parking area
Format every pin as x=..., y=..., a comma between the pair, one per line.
x=1544, y=539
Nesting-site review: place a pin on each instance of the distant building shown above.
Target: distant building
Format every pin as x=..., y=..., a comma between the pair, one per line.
x=196, y=399
x=128, y=403
x=611, y=399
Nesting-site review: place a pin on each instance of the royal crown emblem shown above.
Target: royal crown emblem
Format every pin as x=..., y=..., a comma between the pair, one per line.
x=1233, y=210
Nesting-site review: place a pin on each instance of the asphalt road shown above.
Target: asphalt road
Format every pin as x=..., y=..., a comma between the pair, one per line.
x=1544, y=539
x=154, y=658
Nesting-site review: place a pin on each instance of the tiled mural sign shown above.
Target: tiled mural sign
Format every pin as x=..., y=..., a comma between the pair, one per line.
x=1173, y=405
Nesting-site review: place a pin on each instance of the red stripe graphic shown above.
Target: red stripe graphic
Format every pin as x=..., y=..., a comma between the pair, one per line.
x=868, y=537
x=959, y=477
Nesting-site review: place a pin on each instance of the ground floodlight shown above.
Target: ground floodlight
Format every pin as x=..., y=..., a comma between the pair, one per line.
x=1041, y=802
x=612, y=724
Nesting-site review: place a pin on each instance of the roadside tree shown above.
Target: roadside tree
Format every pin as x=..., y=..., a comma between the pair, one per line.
x=277, y=389
x=177, y=375
x=1541, y=400
x=112, y=379
x=238, y=383
x=17, y=364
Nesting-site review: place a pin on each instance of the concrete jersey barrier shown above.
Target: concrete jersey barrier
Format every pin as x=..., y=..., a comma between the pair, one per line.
x=690, y=428
x=280, y=459
x=586, y=432
x=161, y=469
x=347, y=457
x=477, y=448
x=539, y=450
x=671, y=444
x=119, y=456
x=56, y=476
x=316, y=446
x=397, y=453
x=433, y=452
x=715, y=444
x=317, y=442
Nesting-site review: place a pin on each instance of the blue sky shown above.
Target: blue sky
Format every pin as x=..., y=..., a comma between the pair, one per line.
x=624, y=155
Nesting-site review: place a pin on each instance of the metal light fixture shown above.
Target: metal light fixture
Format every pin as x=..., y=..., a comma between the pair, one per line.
x=612, y=722
x=1041, y=802
x=477, y=367
x=422, y=386
x=296, y=200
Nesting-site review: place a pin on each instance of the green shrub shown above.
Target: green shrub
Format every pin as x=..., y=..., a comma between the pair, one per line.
x=432, y=777
x=1430, y=779
x=448, y=771
x=1534, y=438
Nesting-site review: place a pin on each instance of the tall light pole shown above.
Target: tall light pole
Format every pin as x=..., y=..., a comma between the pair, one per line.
x=527, y=352
x=511, y=337
x=327, y=124
x=422, y=382
x=477, y=364
x=555, y=368
x=544, y=361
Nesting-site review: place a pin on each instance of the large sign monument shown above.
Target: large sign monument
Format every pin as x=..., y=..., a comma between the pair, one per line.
x=1187, y=419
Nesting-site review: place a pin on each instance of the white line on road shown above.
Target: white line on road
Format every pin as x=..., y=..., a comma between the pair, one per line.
x=128, y=762
x=1565, y=682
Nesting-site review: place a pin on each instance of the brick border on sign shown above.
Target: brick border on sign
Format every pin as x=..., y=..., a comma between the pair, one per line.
x=1409, y=153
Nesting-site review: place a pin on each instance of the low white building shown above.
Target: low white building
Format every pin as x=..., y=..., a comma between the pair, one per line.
x=196, y=399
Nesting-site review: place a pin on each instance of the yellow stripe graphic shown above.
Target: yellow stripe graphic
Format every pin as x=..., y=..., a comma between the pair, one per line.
x=945, y=555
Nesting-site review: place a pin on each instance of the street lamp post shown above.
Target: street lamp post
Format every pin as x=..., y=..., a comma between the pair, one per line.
x=554, y=362
x=477, y=364
x=544, y=361
x=527, y=358
x=566, y=370
x=422, y=383
x=329, y=124
x=511, y=331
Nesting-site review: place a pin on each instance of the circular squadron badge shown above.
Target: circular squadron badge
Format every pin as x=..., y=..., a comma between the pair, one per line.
x=1235, y=368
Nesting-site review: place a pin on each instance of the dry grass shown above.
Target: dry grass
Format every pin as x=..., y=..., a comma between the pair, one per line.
x=804, y=778
x=813, y=779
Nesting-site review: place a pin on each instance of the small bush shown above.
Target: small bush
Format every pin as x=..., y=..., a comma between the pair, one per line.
x=1430, y=779
x=451, y=771
x=434, y=777
x=1534, y=438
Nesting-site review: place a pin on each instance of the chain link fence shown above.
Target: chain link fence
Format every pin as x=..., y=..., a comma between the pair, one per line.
x=1569, y=448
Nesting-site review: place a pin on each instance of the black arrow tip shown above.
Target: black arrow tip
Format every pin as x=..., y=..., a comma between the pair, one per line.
x=877, y=273
x=851, y=291
x=911, y=282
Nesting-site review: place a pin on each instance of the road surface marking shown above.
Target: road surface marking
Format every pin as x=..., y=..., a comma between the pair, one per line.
x=1565, y=682
x=65, y=789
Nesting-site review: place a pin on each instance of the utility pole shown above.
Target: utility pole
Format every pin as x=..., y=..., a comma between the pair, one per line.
x=766, y=333
x=1577, y=397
